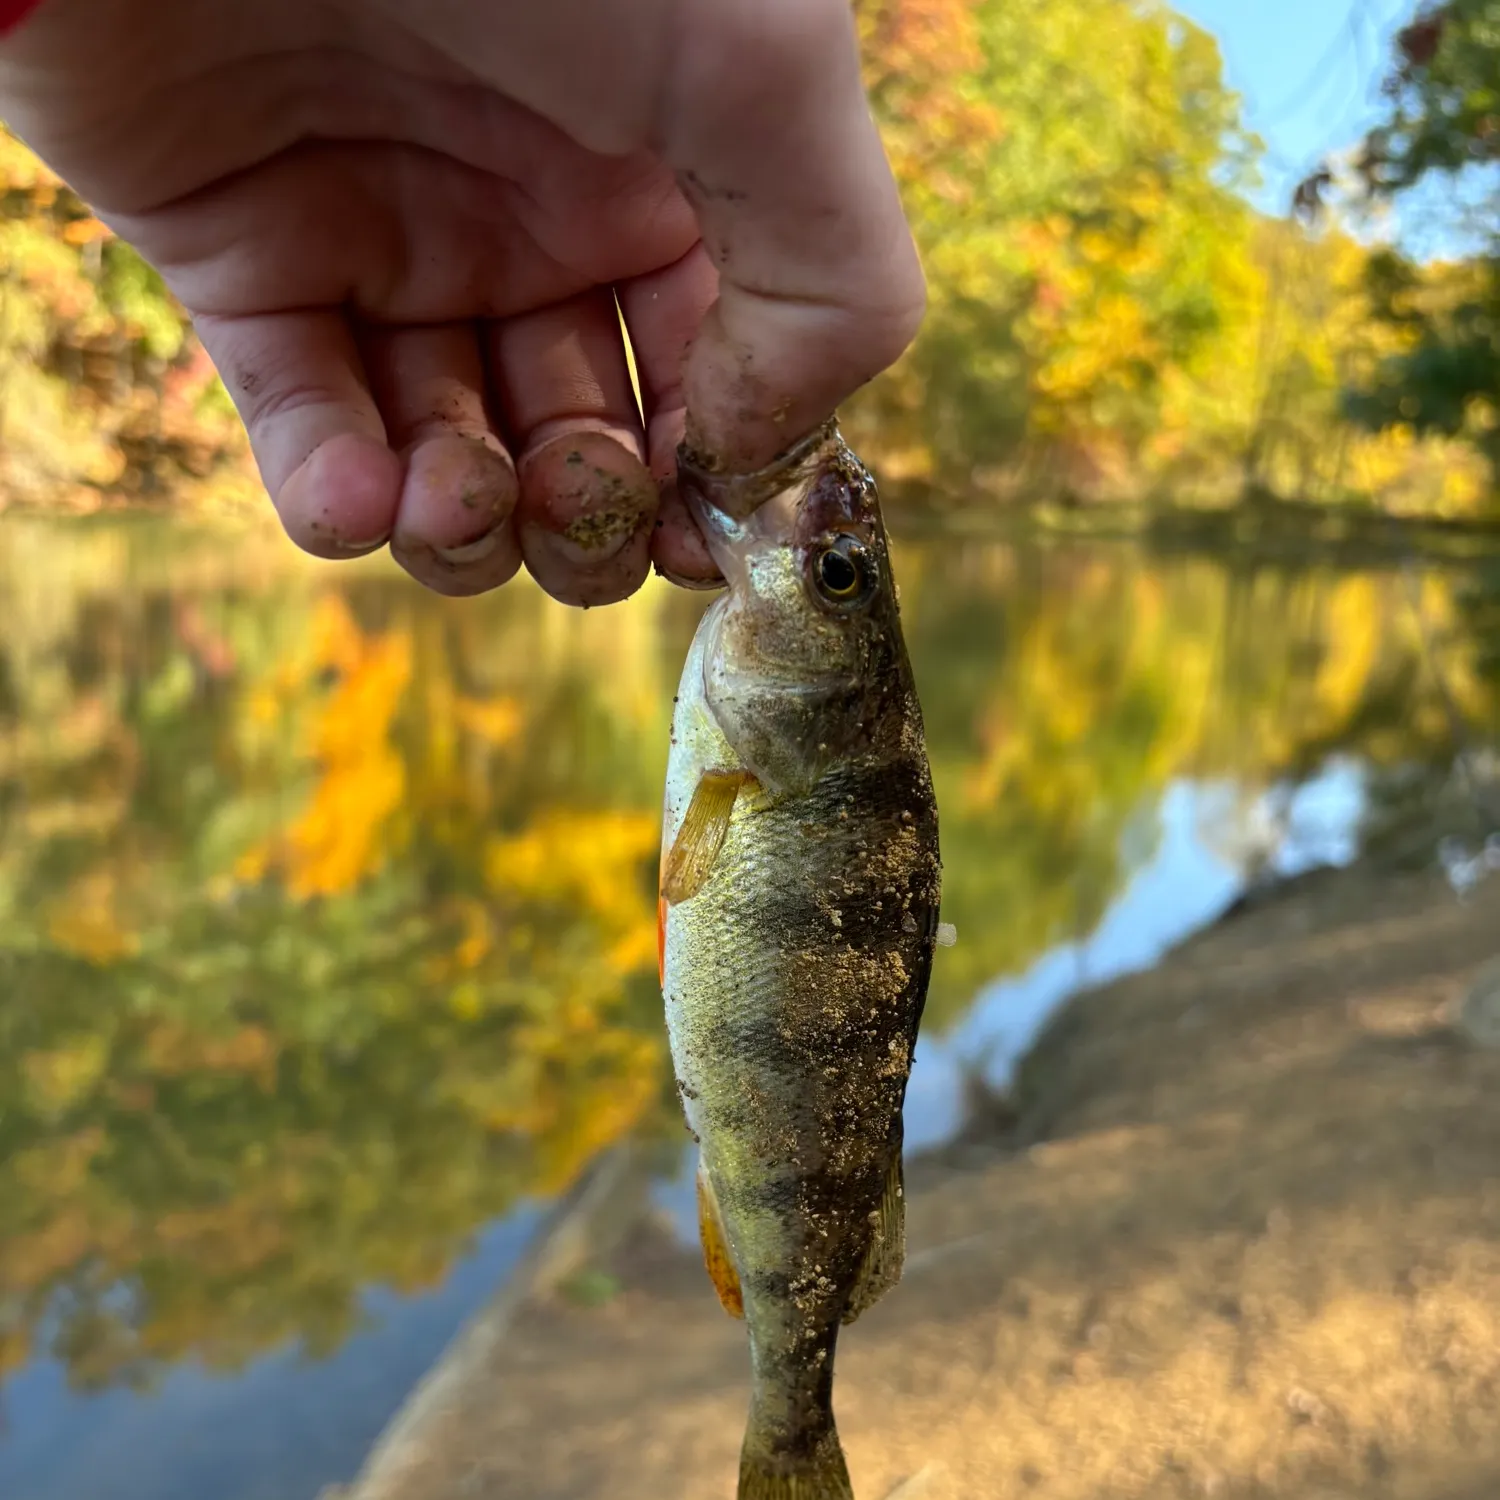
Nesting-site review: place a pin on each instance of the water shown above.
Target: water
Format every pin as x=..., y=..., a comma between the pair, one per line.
x=327, y=923
x=273, y=1430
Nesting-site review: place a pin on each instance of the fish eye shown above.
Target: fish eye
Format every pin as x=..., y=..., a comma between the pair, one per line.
x=844, y=570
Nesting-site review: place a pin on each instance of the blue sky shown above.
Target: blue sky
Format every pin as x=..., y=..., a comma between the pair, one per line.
x=1308, y=71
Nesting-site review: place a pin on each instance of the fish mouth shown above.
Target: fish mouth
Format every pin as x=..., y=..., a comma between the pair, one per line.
x=739, y=496
x=738, y=512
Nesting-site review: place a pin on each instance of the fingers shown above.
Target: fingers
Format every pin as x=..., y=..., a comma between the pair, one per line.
x=389, y=437
x=662, y=313
x=820, y=288
x=678, y=550
x=298, y=383
x=324, y=415
x=454, y=527
x=587, y=503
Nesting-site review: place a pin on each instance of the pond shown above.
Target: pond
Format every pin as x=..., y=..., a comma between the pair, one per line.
x=327, y=925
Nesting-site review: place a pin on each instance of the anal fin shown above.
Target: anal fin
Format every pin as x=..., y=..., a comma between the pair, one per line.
x=881, y=1268
x=700, y=836
x=716, y=1255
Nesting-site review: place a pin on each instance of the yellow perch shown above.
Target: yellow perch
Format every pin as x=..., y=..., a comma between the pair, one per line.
x=799, y=911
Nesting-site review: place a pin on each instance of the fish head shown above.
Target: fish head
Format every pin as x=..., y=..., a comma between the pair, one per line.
x=804, y=664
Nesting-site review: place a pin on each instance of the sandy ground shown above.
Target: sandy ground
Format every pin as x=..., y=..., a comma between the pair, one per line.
x=1243, y=1241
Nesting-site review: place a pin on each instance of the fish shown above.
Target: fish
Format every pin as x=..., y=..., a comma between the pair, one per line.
x=798, y=910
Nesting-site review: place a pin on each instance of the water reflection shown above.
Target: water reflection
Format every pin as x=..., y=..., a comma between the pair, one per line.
x=281, y=1428
x=327, y=908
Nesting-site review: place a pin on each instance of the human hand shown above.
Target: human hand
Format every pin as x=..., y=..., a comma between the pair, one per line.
x=400, y=231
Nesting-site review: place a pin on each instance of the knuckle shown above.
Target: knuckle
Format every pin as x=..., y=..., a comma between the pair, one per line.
x=882, y=325
x=905, y=311
x=267, y=379
x=268, y=396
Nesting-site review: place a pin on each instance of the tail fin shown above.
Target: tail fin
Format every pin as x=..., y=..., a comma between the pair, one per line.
x=821, y=1476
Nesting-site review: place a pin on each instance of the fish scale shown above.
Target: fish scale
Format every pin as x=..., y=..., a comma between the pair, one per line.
x=799, y=907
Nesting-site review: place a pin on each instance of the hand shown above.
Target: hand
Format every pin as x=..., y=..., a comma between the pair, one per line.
x=401, y=241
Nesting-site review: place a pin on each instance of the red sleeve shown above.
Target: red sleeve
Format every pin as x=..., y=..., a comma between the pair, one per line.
x=13, y=12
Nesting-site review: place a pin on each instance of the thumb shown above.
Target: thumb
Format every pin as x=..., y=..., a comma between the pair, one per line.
x=820, y=287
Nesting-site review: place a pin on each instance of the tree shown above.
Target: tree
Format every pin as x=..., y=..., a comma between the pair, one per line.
x=103, y=389
x=1444, y=126
x=1069, y=168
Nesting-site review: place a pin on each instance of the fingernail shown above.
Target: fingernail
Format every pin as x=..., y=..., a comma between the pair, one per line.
x=472, y=552
x=588, y=497
x=574, y=554
x=594, y=538
x=355, y=548
x=702, y=585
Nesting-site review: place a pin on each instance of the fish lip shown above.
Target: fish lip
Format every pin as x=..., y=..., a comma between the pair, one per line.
x=735, y=512
x=739, y=496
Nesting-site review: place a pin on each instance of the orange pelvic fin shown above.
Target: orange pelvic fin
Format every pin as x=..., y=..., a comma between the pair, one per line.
x=716, y=1255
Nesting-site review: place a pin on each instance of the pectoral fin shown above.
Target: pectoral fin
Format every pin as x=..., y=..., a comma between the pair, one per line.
x=881, y=1268
x=701, y=834
x=716, y=1248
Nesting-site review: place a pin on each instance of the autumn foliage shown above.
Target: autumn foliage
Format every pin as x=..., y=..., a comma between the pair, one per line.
x=1109, y=318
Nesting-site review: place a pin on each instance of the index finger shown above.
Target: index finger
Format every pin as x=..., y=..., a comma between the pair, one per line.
x=769, y=130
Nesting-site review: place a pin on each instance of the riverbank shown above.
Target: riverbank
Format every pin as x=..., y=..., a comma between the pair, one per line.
x=1242, y=1238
